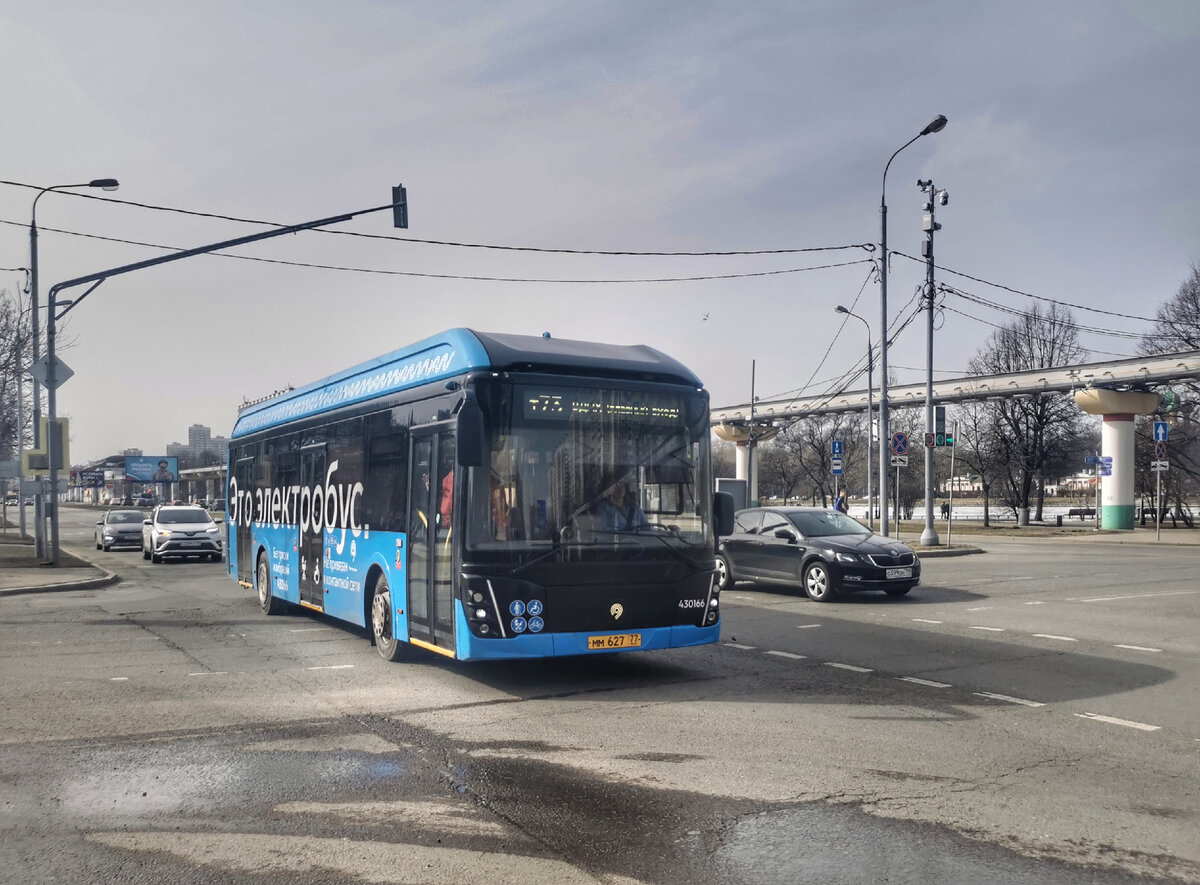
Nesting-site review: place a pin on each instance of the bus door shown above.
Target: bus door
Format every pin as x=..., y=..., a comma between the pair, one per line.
x=243, y=472
x=312, y=529
x=430, y=531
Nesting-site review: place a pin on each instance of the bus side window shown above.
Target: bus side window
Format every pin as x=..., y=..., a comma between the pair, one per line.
x=385, y=480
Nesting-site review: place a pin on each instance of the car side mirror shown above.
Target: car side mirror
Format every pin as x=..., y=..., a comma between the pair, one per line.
x=145, y=522
x=787, y=535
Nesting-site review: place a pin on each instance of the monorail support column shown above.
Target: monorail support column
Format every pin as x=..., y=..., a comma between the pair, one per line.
x=1117, y=409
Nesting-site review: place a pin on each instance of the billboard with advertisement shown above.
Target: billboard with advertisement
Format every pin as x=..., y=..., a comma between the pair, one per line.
x=151, y=469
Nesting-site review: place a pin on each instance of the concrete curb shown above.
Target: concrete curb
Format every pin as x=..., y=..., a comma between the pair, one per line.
x=104, y=579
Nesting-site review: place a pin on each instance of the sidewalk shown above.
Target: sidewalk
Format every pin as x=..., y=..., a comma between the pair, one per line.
x=21, y=572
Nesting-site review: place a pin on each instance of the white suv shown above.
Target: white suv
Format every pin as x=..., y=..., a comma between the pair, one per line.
x=186, y=530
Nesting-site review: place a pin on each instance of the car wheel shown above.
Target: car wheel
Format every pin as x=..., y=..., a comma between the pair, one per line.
x=818, y=583
x=382, y=621
x=724, y=573
x=106, y=547
x=267, y=601
x=155, y=557
x=98, y=545
x=896, y=591
x=145, y=552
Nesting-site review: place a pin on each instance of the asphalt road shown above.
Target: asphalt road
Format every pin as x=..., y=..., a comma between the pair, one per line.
x=1027, y=714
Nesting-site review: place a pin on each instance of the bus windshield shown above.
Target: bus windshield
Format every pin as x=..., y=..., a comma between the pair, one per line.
x=591, y=464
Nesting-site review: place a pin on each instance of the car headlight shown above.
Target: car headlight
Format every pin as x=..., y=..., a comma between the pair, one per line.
x=164, y=533
x=212, y=530
x=849, y=557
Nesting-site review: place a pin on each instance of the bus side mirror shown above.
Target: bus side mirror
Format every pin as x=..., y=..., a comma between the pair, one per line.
x=470, y=446
x=723, y=513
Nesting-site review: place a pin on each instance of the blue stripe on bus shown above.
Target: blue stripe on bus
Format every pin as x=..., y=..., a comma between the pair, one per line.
x=443, y=356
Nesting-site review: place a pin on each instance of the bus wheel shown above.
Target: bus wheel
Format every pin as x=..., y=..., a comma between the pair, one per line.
x=382, y=621
x=267, y=600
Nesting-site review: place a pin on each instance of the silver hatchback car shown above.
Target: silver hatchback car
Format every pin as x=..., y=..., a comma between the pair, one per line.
x=119, y=528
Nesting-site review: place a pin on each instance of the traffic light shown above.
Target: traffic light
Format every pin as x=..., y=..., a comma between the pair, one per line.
x=939, y=420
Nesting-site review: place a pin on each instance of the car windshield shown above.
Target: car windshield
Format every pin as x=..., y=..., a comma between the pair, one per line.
x=821, y=523
x=190, y=514
x=126, y=516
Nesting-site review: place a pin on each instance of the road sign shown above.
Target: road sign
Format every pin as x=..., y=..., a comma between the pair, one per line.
x=836, y=447
x=899, y=443
x=837, y=466
x=40, y=371
x=1160, y=431
x=1091, y=459
x=930, y=440
x=899, y=460
x=1160, y=450
x=1158, y=466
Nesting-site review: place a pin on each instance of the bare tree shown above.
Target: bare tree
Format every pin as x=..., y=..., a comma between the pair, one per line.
x=1176, y=328
x=1028, y=429
x=15, y=418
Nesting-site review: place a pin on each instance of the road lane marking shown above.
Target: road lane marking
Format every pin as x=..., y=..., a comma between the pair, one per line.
x=849, y=667
x=806, y=626
x=1011, y=700
x=989, y=629
x=743, y=647
x=1052, y=636
x=1140, y=726
x=981, y=608
x=786, y=654
x=1038, y=602
x=333, y=667
x=1138, y=648
x=929, y=682
x=118, y=678
x=1132, y=596
x=309, y=630
x=744, y=597
x=926, y=621
x=213, y=673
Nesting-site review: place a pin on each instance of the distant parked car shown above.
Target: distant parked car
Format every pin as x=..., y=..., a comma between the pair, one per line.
x=145, y=501
x=180, y=531
x=119, y=528
x=217, y=506
x=824, y=551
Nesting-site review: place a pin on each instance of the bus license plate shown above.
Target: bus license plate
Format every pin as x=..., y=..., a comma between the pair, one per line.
x=617, y=640
x=899, y=573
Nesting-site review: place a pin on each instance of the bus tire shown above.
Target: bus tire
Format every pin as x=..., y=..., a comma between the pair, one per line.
x=267, y=601
x=382, y=621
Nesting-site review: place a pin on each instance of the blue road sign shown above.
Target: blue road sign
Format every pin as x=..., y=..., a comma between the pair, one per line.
x=837, y=466
x=836, y=447
x=899, y=443
x=1091, y=459
x=1160, y=431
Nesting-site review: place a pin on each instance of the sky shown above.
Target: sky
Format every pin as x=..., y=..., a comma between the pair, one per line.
x=650, y=126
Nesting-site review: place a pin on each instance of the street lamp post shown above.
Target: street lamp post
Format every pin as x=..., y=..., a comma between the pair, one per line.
x=937, y=125
x=870, y=360
x=108, y=184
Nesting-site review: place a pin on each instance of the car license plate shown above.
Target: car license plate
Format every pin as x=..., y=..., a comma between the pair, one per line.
x=189, y=544
x=617, y=640
x=899, y=573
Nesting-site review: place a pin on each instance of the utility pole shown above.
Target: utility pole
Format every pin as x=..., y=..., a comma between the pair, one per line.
x=929, y=536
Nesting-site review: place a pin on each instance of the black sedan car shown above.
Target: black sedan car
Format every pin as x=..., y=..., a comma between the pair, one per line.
x=119, y=528
x=824, y=551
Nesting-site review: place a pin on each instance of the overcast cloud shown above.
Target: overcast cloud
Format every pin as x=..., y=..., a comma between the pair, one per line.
x=637, y=126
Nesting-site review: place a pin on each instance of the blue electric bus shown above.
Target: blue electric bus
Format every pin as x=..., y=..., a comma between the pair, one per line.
x=464, y=495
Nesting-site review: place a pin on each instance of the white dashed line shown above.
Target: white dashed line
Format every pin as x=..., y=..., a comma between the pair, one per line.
x=309, y=630
x=1138, y=648
x=744, y=597
x=928, y=682
x=743, y=647
x=333, y=667
x=926, y=621
x=1052, y=636
x=1133, y=596
x=213, y=673
x=786, y=654
x=981, y=608
x=989, y=629
x=1011, y=700
x=1140, y=726
x=1038, y=602
x=118, y=678
x=849, y=667
x=806, y=626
